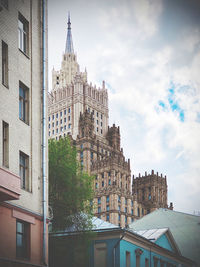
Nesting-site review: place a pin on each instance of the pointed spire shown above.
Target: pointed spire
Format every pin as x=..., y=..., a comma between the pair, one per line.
x=69, y=44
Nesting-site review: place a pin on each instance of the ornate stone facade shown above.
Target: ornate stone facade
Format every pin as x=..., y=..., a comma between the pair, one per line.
x=81, y=110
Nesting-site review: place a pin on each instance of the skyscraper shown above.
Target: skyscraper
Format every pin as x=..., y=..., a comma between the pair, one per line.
x=79, y=109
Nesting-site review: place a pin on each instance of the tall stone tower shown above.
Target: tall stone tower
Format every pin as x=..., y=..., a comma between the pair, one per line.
x=71, y=95
x=80, y=109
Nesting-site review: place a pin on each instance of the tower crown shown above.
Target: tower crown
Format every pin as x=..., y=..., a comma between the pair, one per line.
x=69, y=43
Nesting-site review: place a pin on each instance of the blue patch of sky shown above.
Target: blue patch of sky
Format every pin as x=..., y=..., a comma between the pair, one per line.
x=172, y=103
x=198, y=117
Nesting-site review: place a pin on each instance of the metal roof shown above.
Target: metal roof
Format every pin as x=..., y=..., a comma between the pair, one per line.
x=99, y=224
x=152, y=234
x=185, y=229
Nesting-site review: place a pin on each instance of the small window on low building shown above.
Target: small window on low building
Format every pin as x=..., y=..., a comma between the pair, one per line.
x=22, y=240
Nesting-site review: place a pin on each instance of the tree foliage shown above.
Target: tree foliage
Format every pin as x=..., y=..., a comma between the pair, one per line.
x=70, y=189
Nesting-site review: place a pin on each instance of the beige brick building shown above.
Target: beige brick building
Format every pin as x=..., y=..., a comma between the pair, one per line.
x=79, y=109
x=21, y=185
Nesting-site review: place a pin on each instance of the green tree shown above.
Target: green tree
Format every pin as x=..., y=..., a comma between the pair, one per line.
x=70, y=189
x=70, y=197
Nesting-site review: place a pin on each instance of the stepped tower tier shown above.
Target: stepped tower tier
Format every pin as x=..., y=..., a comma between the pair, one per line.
x=151, y=191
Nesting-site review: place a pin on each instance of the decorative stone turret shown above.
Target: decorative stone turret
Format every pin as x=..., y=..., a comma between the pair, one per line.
x=113, y=136
x=86, y=125
x=151, y=191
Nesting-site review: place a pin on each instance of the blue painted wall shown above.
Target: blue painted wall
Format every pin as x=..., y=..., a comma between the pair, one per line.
x=124, y=246
x=164, y=242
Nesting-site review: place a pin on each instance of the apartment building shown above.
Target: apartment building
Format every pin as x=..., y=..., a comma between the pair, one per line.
x=23, y=176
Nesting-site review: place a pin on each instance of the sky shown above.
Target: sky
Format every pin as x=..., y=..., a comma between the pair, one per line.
x=148, y=53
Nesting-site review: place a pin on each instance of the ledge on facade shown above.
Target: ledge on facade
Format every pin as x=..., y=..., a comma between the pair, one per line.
x=9, y=185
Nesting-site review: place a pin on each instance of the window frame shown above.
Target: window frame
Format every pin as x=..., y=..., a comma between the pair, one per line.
x=4, y=51
x=24, y=171
x=5, y=137
x=23, y=34
x=25, y=238
x=23, y=103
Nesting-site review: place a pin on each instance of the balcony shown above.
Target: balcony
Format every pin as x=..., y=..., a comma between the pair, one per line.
x=9, y=185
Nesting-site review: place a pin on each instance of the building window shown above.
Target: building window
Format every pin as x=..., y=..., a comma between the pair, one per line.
x=68, y=118
x=138, y=212
x=60, y=121
x=132, y=220
x=107, y=199
x=4, y=3
x=132, y=212
x=24, y=170
x=56, y=115
x=138, y=253
x=155, y=262
x=97, y=129
x=57, y=130
x=119, y=217
x=119, y=199
x=23, y=102
x=99, y=209
x=5, y=144
x=97, y=122
x=102, y=184
x=56, y=122
x=107, y=208
x=96, y=185
x=22, y=239
x=49, y=125
x=101, y=116
x=99, y=200
x=126, y=219
x=69, y=110
x=125, y=201
x=49, y=118
x=61, y=114
x=52, y=117
x=146, y=262
x=69, y=126
x=53, y=124
x=53, y=132
x=91, y=155
x=4, y=64
x=119, y=208
x=125, y=209
x=107, y=217
x=97, y=114
x=65, y=119
x=109, y=182
x=128, y=259
x=131, y=203
x=23, y=34
x=65, y=112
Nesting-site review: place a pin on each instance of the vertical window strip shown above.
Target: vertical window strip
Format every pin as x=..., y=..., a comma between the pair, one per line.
x=5, y=144
x=4, y=64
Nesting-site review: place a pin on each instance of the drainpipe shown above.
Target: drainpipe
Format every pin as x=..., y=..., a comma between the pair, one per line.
x=44, y=127
x=114, y=249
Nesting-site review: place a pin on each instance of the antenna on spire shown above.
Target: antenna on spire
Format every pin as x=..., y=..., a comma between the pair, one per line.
x=69, y=44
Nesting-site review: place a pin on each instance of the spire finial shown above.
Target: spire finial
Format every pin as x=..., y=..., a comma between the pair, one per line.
x=69, y=44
